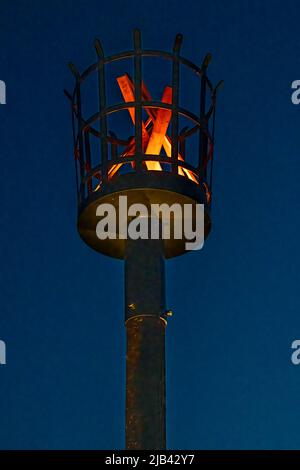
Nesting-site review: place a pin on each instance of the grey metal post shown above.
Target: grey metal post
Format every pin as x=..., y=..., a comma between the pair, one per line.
x=145, y=358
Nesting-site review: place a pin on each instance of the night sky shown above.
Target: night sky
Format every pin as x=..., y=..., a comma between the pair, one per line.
x=230, y=380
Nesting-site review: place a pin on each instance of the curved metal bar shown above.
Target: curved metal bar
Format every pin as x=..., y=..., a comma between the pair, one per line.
x=123, y=160
x=151, y=104
x=87, y=124
x=74, y=71
x=144, y=104
x=144, y=53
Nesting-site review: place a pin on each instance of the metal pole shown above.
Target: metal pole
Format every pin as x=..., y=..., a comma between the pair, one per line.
x=145, y=358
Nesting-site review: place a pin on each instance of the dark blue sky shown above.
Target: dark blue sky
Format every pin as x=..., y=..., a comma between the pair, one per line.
x=230, y=382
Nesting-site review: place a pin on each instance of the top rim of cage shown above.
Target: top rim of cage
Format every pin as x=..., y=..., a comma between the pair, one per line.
x=139, y=51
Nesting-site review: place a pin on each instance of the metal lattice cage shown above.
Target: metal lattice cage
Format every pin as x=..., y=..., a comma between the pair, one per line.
x=153, y=147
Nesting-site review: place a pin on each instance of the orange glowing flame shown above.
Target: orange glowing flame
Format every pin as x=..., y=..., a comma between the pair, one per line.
x=158, y=138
